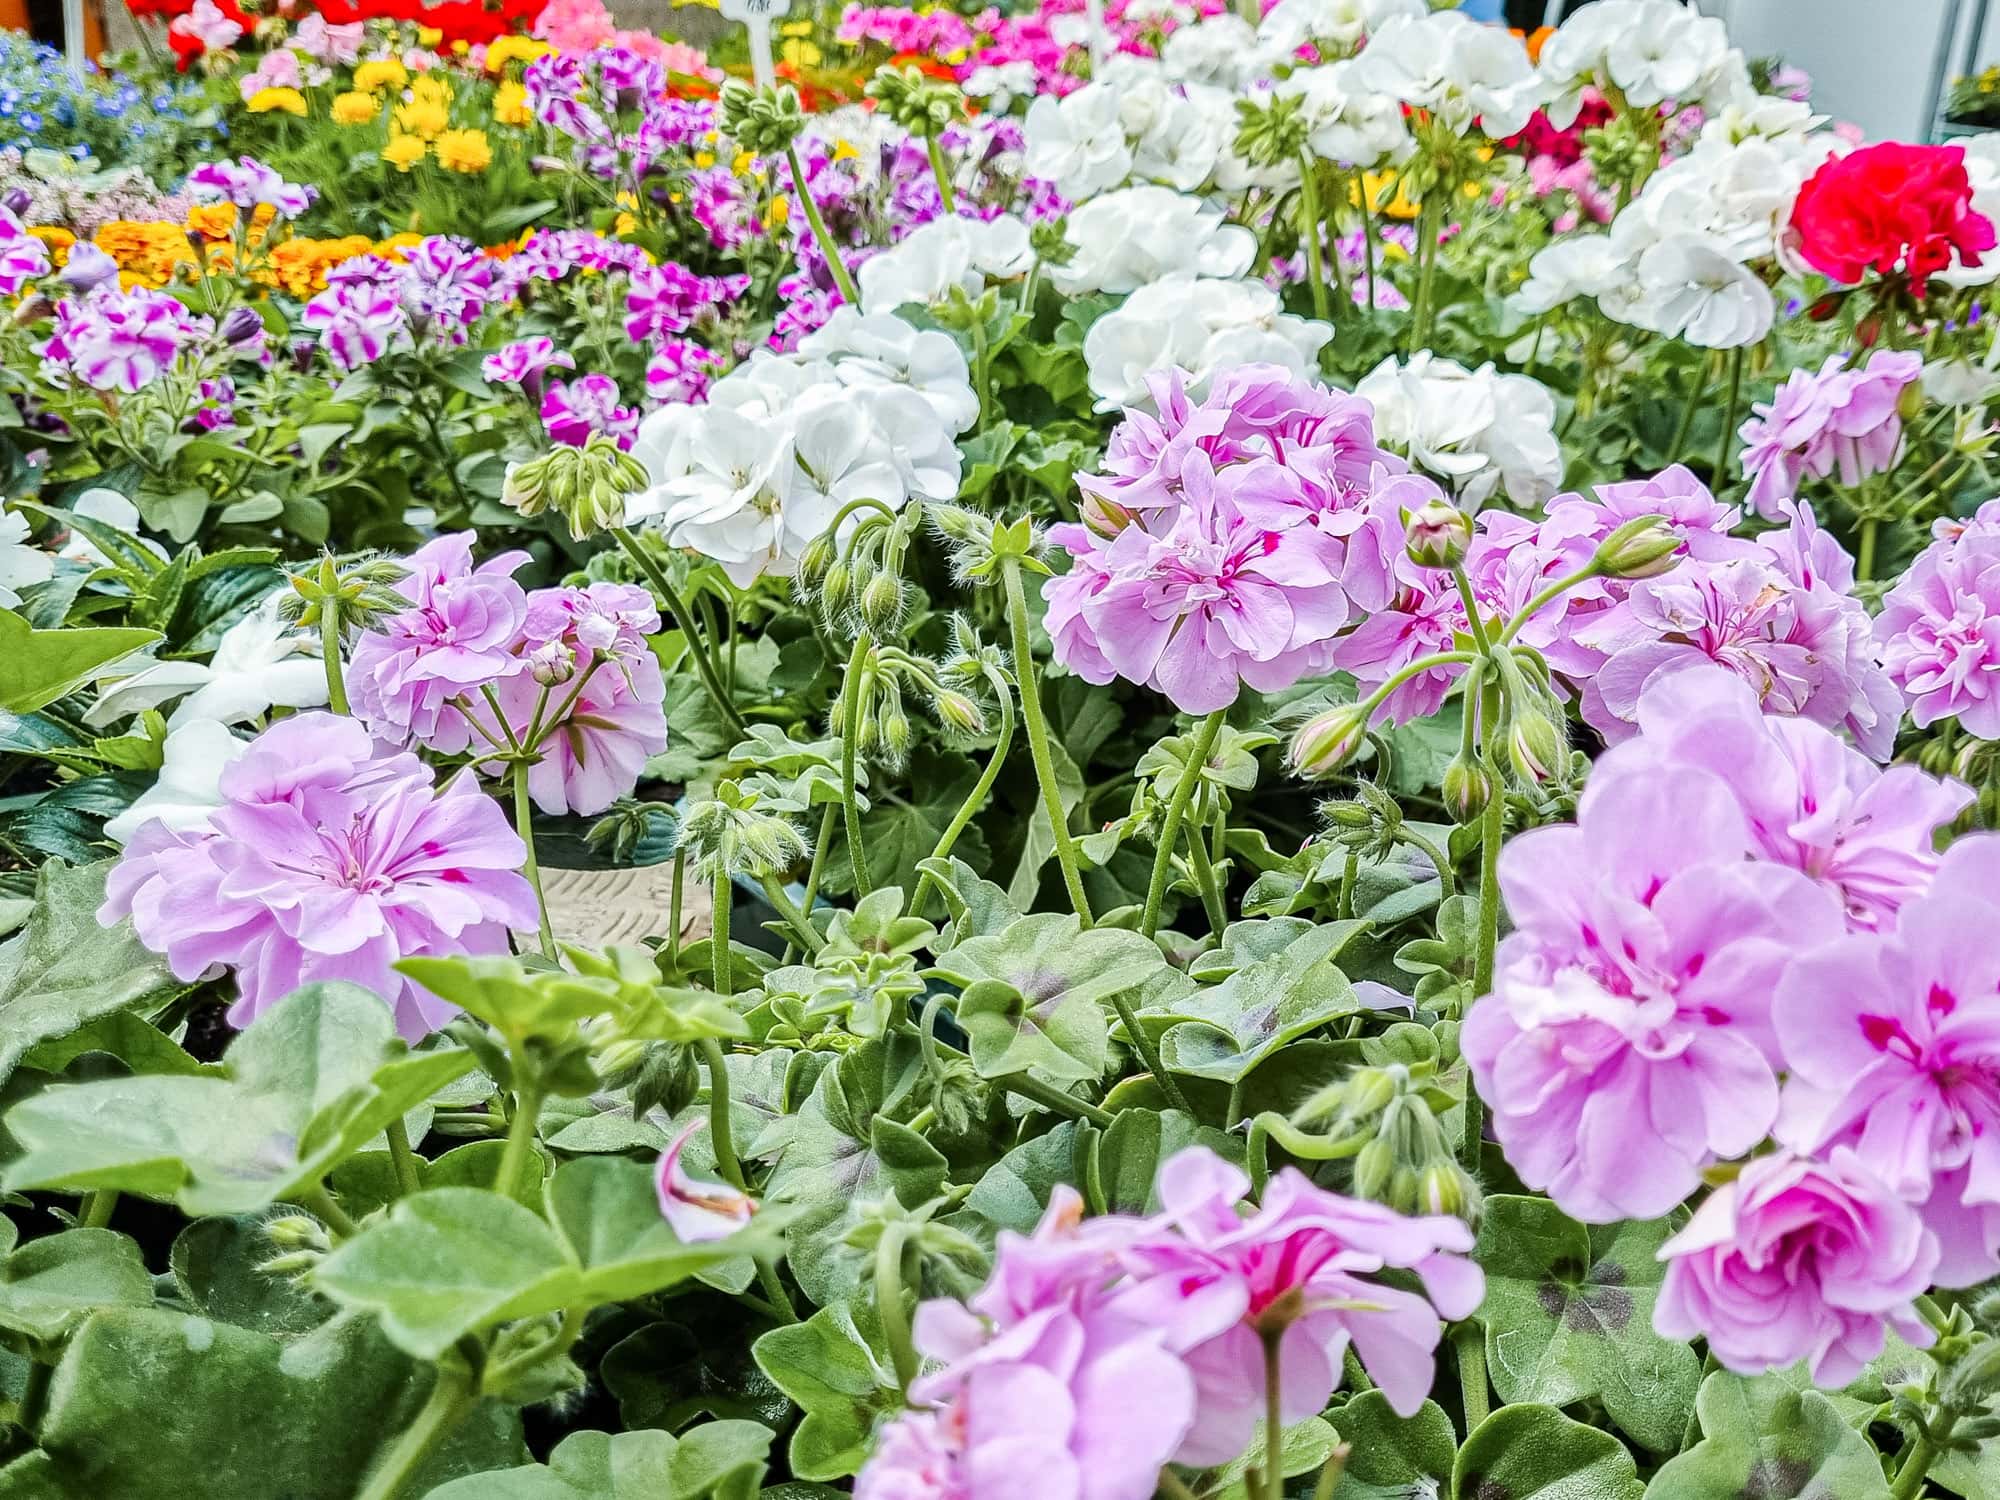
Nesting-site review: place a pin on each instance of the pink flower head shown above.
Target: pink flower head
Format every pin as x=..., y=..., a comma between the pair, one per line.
x=276, y=69
x=1939, y=631
x=1216, y=1275
x=459, y=635
x=525, y=362
x=680, y=372
x=697, y=1211
x=574, y=410
x=24, y=258
x=357, y=323
x=328, y=43
x=1798, y=1260
x=206, y=23
x=250, y=185
x=1627, y=1042
x=1839, y=422
x=1812, y=802
x=669, y=298
x=119, y=341
x=1893, y=1041
x=445, y=285
x=329, y=858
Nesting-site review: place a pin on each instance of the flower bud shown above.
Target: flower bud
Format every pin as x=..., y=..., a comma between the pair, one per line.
x=1374, y=1170
x=32, y=309
x=1437, y=535
x=1328, y=741
x=1104, y=517
x=1467, y=788
x=1534, y=746
x=241, y=326
x=1445, y=1187
x=17, y=201
x=836, y=587
x=89, y=268
x=551, y=663
x=895, y=727
x=1643, y=547
x=959, y=713
x=882, y=601
x=1910, y=402
x=816, y=561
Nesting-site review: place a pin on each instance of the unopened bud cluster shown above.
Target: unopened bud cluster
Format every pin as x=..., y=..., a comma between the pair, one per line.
x=763, y=122
x=586, y=486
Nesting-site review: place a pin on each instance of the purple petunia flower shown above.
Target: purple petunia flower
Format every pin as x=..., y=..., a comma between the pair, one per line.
x=118, y=341
x=573, y=410
x=357, y=323
x=680, y=372
x=525, y=362
x=249, y=184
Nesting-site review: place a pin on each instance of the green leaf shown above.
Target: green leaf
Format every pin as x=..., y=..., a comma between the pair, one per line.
x=1036, y=995
x=1390, y=1455
x=1013, y=1192
x=1225, y=1031
x=446, y=1262
x=1303, y=1447
x=149, y=1403
x=214, y=1267
x=50, y=1285
x=720, y=1459
x=839, y=1372
x=1536, y=1453
x=312, y=1080
x=65, y=970
x=1768, y=1438
x=1569, y=1316
x=1125, y=1161
x=39, y=666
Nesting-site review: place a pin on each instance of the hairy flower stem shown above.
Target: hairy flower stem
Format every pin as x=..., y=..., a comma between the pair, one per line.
x=1721, y=475
x=1035, y=1091
x=524, y=825
x=1864, y=550
x=1309, y=225
x=1427, y=257
x=721, y=897
x=850, y=739
x=403, y=1158
x=842, y=278
x=1172, y=1486
x=894, y=1317
x=1923, y=1453
x=98, y=1206
x=802, y=931
x=1274, y=1422
x=718, y=1115
x=329, y=650
x=451, y=1398
x=697, y=643
x=1697, y=385
x=317, y=1201
x=1170, y=828
x=1468, y=1341
x=943, y=175
x=674, y=914
x=1038, y=739
x=518, y=1157
x=974, y=801
x=826, y=817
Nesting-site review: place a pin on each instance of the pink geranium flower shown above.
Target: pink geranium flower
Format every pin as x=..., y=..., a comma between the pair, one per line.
x=1838, y=422
x=1798, y=1260
x=1939, y=632
x=1893, y=1042
x=329, y=858
x=697, y=1211
x=1627, y=1043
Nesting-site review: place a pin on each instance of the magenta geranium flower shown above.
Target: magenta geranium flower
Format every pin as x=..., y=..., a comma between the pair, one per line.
x=1939, y=632
x=1798, y=1260
x=329, y=858
x=1893, y=1042
x=1627, y=1043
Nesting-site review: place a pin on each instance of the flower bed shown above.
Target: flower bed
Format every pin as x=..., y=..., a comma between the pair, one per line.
x=1311, y=702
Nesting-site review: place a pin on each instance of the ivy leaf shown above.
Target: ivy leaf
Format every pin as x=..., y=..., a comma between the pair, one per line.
x=1303, y=1448
x=39, y=666
x=50, y=1285
x=1124, y=1165
x=1035, y=995
x=1390, y=1455
x=837, y=1369
x=1224, y=1031
x=1533, y=1452
x=64, y=970
x=446, y=1262
x=312, y=1080
x=251, y=1416
x=723, y=1460
x=1013, y=1192
x=214, y=1268
x=1569, y=1316
x=1768, y=1437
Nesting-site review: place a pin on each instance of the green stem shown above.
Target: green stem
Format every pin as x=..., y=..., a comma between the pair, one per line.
x=718, y=1115
x=98, y=1206
x=524, y=825
x=774, y=1291
x=519, y=1153
x=974, y=801
x=841, y=276
x=319, y=1202
x=697, y=643
x=1533, y=607
x=1447, y=881
x=674, y=912
x=1170, y=829
x=1864, y=555
x=1036, y=1092
x=889, y=1309
x=1697, y=384
x=1149, y=1053
x=1470, y=1345
x=802, y=930
x=850, y=739
x=1171, y=1483
x=1923, y=1453
x=1721, y=475
x=35, y=1396
x=1274, y=1422
x=722, y=893
x=403, y=1158
x=329, y=649
x=1368, y=237
x=1492, y=829
x=1211, y=888
x=1038, y=739
x=826, y=817
x=1309, y=223
x=450, y=1400
x=945, y=194
x=1427, y=253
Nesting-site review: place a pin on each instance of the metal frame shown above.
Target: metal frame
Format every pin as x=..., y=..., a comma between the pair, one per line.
x=1941, y=61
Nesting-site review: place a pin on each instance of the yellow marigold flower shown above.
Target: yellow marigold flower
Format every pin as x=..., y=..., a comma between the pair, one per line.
x=405, y=151
x=801, y=53
x=423, y=118
x=778, y=214
x=431, y=88
x=398, y=246
x=380, y=75
x=268, y=101
x=429, y=36
x=511, y=48
x=510, y=104
x=844, y=151
x=356, y=107
x=1388, y=194
x=464, y=151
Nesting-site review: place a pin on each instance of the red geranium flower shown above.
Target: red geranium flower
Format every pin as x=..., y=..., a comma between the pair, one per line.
x=1889, y=207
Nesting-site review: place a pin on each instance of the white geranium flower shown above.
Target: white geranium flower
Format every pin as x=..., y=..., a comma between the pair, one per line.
x=1218, y=51
x=1350, y=123
x=881, y=348
x=1198, y=326
x=1123, y=240
x=189, y=787
x=1982, y=168
x=1184, y=142
x=1001, y=85
x=21, y=565
x=1333, y=27
x=1960, y=382
x=1476, y=429
x=1691, y=287
x=262, y=662
x=1078, y=142
x=1452, y=65
x=1583, y=265
x=722, y=481
x=933, y=258
x=1652, y=50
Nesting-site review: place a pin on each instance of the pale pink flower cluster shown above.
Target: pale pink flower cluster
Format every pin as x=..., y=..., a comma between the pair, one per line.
x=1839, y=422
x=1102, y=1349
x=1939, y=630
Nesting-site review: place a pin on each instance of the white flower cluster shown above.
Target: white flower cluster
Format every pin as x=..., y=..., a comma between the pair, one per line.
x=868, y=409
x=931, y=259
x=1477, y=431
x=1198, y=326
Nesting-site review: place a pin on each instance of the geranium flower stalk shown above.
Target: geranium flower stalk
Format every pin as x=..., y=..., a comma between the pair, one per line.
x=697, y=640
